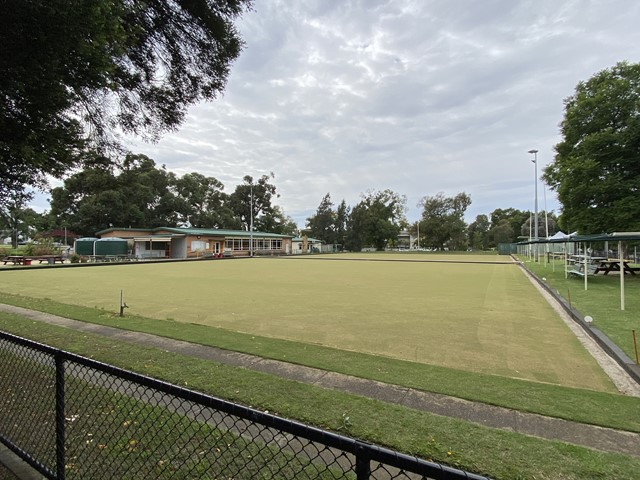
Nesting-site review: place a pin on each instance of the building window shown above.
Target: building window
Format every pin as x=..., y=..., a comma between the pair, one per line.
x=197, y=245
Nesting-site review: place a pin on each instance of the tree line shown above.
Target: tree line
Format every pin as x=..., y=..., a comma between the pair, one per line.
x=379, y=218
x=137, y=193
x=74, y=73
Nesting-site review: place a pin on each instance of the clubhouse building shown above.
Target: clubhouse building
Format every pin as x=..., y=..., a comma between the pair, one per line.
x=168, y=242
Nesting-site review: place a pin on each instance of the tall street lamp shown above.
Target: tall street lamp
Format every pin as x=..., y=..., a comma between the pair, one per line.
x=535, y=169
x=251, y=224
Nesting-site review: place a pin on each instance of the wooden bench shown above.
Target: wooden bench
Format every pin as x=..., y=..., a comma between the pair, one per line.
x=15, y=259
x=26, y=260
x=46, y=258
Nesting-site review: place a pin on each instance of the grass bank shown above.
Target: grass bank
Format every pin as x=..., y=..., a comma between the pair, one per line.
x=581, y=405
x=499, y=454
x=601, y=300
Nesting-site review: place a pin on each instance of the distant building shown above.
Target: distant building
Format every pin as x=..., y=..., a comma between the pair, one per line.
x=305, y=244
x=168, y=242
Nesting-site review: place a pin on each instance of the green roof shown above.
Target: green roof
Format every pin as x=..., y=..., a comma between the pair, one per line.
x=599, y=237
x=309, y=239
x=112, y=229
x=196, y=231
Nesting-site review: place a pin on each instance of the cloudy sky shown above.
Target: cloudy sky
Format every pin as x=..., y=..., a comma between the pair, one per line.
x=421, y=97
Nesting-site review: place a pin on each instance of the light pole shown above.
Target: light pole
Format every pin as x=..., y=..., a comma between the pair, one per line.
x=535, y=169
x=251, y=224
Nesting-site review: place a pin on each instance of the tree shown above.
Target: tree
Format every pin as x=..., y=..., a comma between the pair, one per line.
x=322, y=225
x=72, y=70
x=16, y=219
x=596, y=170
x=376, y=220
x=279, y=223
x=478, y=232
x=502, y=232
x=342, y=215
x=202, y=202
x=442, y=222
x=252, y=200
x=99, y=196
x=515, y=218
x=529, y=225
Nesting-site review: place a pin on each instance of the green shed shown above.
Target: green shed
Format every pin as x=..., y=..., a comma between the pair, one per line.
x=84, y=246
x=111, y=246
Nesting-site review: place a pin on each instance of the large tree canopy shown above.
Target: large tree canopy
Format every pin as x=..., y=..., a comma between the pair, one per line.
x=77, y=69
x=252, y=201
x=376, y=220
x=442, y=223
x=596, y=171
x=137, y=194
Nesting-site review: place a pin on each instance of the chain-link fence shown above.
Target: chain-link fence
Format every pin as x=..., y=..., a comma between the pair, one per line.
x=72, y=417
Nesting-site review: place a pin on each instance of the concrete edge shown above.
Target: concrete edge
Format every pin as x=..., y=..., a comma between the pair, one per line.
x=600, y=338
x=16, y=465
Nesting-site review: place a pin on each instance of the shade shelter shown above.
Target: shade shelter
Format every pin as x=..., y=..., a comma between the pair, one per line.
x=606, y=238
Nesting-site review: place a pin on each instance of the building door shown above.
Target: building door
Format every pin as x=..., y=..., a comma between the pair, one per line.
x=216, y=247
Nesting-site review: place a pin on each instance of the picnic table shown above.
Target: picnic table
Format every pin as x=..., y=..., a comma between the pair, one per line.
x=15, y=259
x=577, y=264
x=27, y=259
x=607, y=266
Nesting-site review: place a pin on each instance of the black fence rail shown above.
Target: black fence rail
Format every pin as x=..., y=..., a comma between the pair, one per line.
x=72, y=417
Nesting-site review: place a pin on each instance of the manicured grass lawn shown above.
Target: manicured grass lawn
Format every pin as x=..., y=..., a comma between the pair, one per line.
x=581, y=405
x=499, y=454
x=601, y=301
x=484, y=318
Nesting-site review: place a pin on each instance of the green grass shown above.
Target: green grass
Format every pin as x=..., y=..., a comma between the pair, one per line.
x=586, y=406
x=109, y=431
x=500, y=454
x=482, y=318
x=601, y=301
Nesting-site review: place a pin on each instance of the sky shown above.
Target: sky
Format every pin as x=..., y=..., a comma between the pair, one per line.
x=420, y=97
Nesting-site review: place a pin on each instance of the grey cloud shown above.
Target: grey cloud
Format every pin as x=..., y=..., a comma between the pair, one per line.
x=418, y=96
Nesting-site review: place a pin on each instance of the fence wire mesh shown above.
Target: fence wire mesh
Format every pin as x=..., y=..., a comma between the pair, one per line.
x=117, y=424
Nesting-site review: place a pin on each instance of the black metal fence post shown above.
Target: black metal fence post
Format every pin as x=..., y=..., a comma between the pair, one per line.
x=363, y=462
x=173, y=424
x=60, y=418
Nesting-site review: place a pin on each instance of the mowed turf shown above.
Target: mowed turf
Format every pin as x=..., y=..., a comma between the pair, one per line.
x=471, y=316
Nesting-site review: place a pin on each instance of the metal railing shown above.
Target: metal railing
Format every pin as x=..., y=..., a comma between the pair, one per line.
x=72, y=417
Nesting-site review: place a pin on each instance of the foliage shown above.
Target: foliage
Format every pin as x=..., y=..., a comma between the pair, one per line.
x=342, y=215
x=72, y=70
x=500, y=232
x=327, y=224
x=543, y=219
x=322, y=225
x=442, y=223
x=41, y=246
x=251, y=202
x=279, y=223
x=16, y=219
x=137, y=194
x=375, y=221
x=596, y=170
x=201, y=203
x=477, y=233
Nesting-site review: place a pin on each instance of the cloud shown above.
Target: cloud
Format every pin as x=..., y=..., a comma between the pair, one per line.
x=417, y=96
